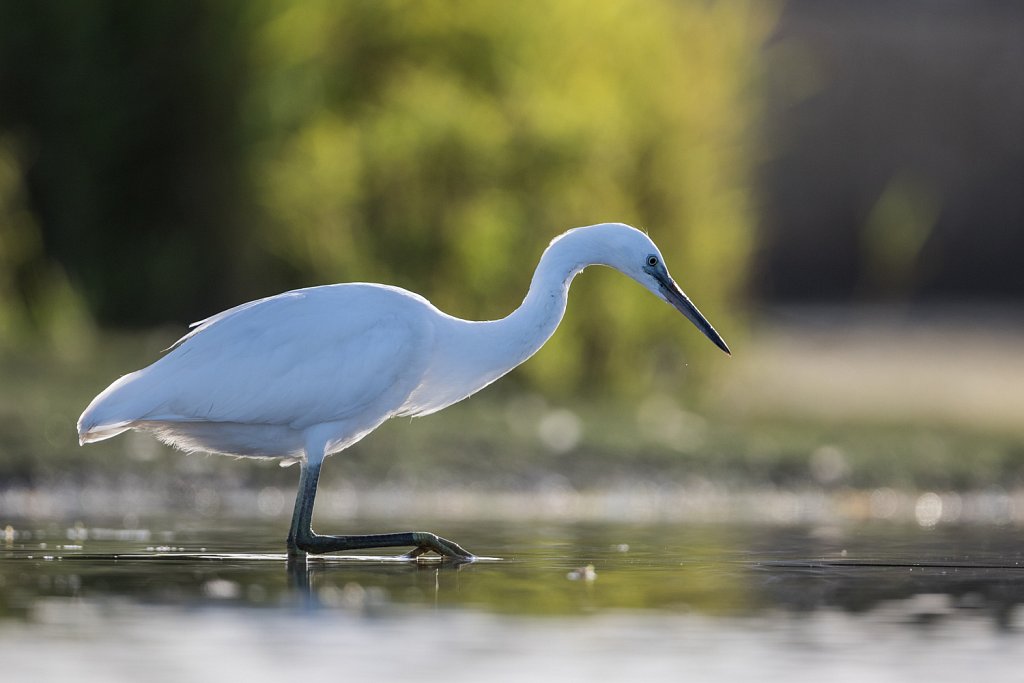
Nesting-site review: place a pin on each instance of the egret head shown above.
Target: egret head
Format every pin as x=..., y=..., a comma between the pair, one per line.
x=632, y=252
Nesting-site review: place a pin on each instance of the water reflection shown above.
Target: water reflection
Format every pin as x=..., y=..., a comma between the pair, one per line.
x=864, y=587
x=570, y=569
x=312, y=585
x=909, y=593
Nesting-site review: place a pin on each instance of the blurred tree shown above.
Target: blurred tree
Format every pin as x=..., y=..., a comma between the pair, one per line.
x=898, y=159
x=178, y=157
x=439, y=146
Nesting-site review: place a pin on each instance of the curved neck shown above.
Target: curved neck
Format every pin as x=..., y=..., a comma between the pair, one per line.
x=521, y=334
x=472, y=354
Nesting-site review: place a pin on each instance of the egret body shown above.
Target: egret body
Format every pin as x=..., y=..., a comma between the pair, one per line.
x=310, y=372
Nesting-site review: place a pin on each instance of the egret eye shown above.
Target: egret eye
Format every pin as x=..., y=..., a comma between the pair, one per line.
x=652, y=260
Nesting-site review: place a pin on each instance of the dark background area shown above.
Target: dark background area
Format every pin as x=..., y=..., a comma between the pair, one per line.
x=928, y=92
x=130, y=124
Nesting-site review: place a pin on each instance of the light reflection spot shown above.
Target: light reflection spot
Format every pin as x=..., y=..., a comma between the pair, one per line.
x=928, y=509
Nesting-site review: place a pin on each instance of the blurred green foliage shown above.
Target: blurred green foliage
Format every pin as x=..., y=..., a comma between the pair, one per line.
x=162, y=161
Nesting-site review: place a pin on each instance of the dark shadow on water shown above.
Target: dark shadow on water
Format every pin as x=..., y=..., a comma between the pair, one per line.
x=913, y=593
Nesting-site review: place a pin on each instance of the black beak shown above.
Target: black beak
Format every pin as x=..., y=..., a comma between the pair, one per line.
x=675, y=296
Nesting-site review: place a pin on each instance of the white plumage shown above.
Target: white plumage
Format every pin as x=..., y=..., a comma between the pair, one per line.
x=310, y=372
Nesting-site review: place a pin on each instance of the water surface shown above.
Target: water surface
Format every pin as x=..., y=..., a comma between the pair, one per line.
x=565, y=602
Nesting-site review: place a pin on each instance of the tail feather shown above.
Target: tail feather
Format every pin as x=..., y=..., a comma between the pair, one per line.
x=112, y=412
x=100, y=432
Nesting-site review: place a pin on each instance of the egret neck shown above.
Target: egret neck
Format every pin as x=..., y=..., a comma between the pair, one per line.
x=469, y=354
x=527, y=328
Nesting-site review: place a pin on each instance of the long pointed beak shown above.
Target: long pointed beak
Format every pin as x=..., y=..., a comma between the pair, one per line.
x=675, y=296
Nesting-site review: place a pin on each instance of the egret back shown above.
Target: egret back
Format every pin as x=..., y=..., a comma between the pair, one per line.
x=333, y=354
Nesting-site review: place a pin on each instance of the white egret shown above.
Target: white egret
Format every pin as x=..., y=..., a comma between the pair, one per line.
x=310, y=372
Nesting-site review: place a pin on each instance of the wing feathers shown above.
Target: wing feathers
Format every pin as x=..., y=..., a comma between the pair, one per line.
x=302, y=358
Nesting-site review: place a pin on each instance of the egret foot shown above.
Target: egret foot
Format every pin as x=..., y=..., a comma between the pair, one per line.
x=423, y=542
x=442, y=546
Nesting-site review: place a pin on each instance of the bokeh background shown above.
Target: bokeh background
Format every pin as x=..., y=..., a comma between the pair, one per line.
x=839, y=186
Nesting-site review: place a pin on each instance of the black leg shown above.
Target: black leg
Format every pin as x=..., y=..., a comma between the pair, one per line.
x=302, y=539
